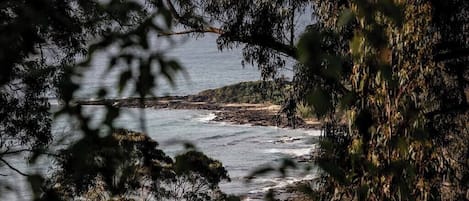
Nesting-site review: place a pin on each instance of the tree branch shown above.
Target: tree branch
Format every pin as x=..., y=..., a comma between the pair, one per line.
x=265, y=42
x=177, y=17
x=196, y=28
x=208, y=30
x=7, y=152
x=13, y=168
x=261, y=41
x=288, y=50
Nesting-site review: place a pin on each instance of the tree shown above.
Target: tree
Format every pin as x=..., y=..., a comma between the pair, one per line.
x=267, y=29
x=128, y=166
x=395, y=71
x=38, y=38
x=401, y=96
x=46, y=46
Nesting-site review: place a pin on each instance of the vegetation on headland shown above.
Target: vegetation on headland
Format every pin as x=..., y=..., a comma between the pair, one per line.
x=247, y=92
x=254, y=92
x=254, y=102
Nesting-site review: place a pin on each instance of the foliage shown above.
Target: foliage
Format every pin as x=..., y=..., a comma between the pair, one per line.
x=399, y=95
x=397, y=69
x=37, y=39
x=266, y=29
x=248, y=92
x=304, y=110
x=128, y=166
x=47, y=45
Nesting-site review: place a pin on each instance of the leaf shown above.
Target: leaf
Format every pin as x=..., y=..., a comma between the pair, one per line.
x=386, y=72
x=327, y=145
x=308, y=191
x=347, y=100
x=259, y=171
x=111, y=115
x=321, y=101
x=333, y=170
x=345, y=17
x=376, y=36
x=168, y=19
x=167, y=70
x=309, y=47
x=362, y=84
x=102, y=93
x=270, y=195
x=333, y=69
x=356, y=45
x=189, y=146
x=363, y=122
x=196, y=162
x=402, y=146
x=124, y=78
x=286, y=164
x=363, y=192
x=392, y=10
x=36, y=181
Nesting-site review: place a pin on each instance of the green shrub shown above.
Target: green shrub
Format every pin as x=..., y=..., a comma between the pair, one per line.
x=304, y=110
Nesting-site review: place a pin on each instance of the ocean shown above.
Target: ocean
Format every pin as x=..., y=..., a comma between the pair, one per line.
x=241, y=148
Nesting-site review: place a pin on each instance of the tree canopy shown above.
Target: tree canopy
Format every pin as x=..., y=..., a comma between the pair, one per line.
x=39, y=39
x=389, y=78
x=46, y=47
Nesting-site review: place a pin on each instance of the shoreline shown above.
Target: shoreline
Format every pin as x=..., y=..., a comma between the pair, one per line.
x=255, y=114
x=240, y=104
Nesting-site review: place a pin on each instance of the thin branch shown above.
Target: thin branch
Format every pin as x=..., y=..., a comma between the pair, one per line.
x=208, y=30
x=195, y=27
x=261, y=41
x=7, y=152
x=172, y=9
x=287, y=50
x=177, y=17
x=13, y=168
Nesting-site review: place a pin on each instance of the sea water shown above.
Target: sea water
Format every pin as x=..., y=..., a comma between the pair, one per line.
x=241, y=148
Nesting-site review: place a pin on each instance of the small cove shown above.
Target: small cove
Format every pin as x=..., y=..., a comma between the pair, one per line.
x=241, y=148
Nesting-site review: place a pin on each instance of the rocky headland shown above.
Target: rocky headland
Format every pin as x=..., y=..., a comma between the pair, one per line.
x=242, y=103
x=252, y=103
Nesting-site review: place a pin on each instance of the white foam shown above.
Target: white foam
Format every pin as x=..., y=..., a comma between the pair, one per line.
x=315, y=133
x=289, y=139
x=206, y=118
x=292, y=152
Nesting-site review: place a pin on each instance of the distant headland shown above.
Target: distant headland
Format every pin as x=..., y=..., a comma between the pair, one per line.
x=255, y=103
